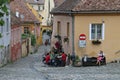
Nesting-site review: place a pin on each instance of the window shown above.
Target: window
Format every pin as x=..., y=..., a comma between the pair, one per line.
x=41, y=7
x=26, y=30
x=96, y=31
x=68, y=27
x=7, y=24
x=58, y=28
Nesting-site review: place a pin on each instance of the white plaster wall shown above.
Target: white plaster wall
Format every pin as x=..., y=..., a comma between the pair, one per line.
x=5, y=40
x=46, y=13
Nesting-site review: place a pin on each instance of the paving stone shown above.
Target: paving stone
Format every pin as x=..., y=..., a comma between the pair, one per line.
x=32, y=68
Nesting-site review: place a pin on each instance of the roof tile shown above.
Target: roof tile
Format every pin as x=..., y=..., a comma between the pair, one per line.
x=14, y=19
x=97, y=5
x=58, y=2
x=35, y=1
x=79, y=6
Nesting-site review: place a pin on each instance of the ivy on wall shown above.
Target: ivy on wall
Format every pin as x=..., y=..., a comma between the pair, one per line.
x=3, y=10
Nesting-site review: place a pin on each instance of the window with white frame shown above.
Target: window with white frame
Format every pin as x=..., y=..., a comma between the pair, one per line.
x=97, y=31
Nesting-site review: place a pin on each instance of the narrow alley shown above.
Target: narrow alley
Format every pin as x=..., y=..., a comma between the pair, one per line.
x=32, y=68
x=24, y=68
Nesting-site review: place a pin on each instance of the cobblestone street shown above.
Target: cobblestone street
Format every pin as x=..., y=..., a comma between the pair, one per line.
x=32, y=68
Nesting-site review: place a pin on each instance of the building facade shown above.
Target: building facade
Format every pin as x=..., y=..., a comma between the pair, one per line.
x=98, y=23
x=43, y=7
x=29, y=23
x=5, y=39
x=15, y=39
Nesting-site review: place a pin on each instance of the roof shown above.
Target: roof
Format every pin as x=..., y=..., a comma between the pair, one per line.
x=35, y=1
x=58, y=2
x=26, y=14
x=88, y=6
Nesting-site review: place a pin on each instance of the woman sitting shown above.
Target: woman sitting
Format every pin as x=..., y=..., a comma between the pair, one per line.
x=100, y=57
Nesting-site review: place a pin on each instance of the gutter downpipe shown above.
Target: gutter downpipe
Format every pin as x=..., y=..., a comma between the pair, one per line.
x=73, y=49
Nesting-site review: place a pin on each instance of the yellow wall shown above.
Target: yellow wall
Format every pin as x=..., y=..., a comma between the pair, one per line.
x=37, y=15
x=35, y=12
x=111, y=43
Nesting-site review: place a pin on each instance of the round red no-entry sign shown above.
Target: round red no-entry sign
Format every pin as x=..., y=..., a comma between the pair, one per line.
x=82, y=37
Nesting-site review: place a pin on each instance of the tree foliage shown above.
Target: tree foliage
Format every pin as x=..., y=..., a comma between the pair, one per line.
x=3, y=10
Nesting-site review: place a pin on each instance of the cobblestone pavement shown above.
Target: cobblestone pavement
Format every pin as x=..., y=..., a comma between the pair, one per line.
x=32, y=68
x=23, y=69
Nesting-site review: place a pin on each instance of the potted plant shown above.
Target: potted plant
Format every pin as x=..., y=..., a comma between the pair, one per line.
x=66, y=39
x=77, y=61
x=96, y=42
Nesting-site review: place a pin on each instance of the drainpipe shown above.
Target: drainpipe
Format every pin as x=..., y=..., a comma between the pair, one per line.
x=48, y=13
x=73, y=49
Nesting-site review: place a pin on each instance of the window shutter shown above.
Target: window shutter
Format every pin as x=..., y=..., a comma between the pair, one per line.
x=103, y=31
x=90, y=32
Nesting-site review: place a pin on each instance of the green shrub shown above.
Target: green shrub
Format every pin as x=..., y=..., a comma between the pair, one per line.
x=33, y=40
x=77, y=59
x=24, y=36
